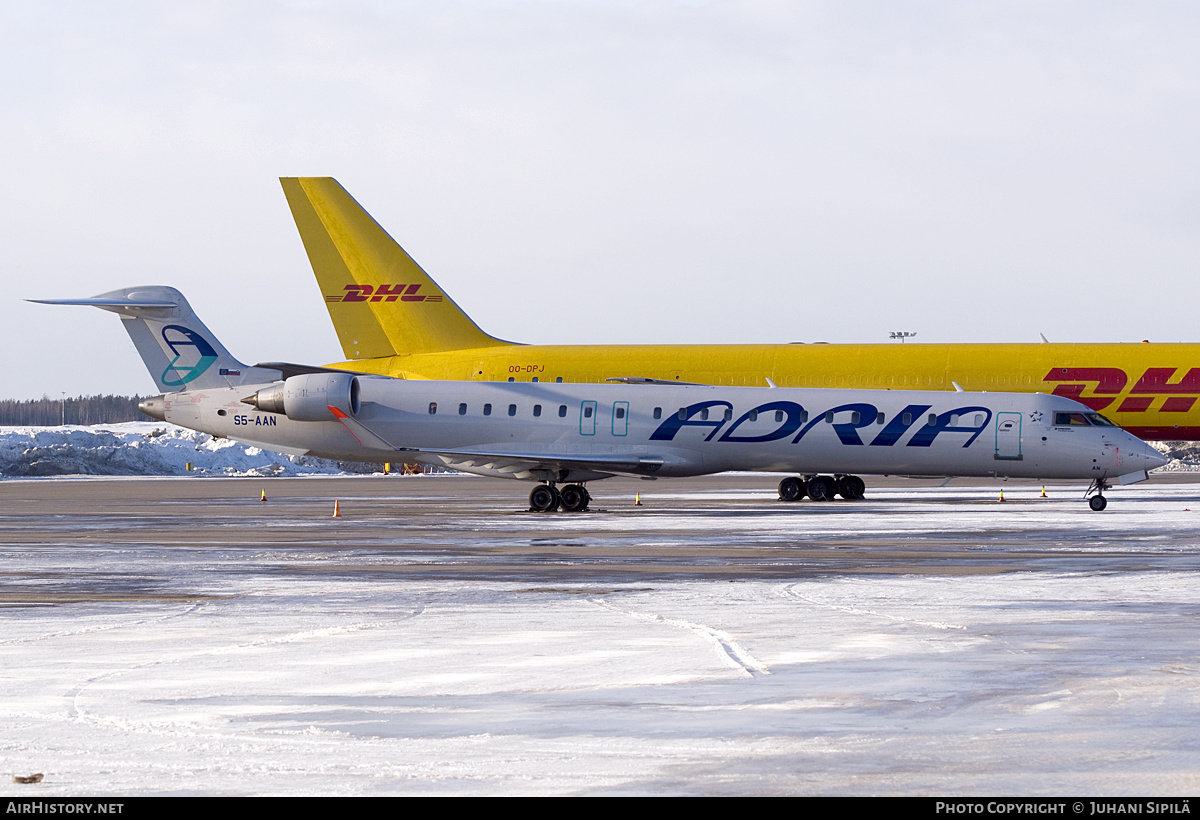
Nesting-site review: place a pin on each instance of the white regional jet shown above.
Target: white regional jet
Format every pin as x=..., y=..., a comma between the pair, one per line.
x=563, y=435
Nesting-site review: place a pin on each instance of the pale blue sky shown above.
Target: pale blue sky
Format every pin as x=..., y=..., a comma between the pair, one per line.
x=584, y=172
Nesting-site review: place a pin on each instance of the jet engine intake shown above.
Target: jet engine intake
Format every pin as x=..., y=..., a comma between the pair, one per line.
x=309, y=397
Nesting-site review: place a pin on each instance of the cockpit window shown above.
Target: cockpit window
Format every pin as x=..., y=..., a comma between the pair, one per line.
x=1099, y=420
x=1072, y=419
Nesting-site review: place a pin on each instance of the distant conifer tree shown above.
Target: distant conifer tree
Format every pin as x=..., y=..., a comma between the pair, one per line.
x=48, y=412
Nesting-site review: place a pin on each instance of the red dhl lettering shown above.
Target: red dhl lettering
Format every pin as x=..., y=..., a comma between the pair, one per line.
x=383, y=293
x=1100, y=387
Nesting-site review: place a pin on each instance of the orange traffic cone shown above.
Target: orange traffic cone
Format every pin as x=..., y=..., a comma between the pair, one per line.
x=1001, y=496
x=264, y=496
x=337, y=512
x=1043, y=491
x=637, y=499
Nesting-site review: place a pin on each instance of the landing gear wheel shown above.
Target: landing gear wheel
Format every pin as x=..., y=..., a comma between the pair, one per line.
x=543, y=498
x=851, y=487
x=1097, y=502
x=574, y=498
x=791, y=489
x=821, y=488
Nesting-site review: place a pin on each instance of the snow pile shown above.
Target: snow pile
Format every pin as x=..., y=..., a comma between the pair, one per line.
x=146, y=449
x=1184, y=455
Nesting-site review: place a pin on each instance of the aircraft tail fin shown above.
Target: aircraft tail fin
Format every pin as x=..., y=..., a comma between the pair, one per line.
x=380, y=300
x=179, y=351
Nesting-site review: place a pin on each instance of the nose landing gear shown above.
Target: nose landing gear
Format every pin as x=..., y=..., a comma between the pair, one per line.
x=1097, y=502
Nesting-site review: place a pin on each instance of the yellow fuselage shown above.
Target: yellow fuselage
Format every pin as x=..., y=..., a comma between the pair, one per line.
x=1149, y=389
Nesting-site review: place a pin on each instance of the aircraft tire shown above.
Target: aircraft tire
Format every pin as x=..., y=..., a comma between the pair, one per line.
x=573, y=498
x=851, y=487
x=543, y=498
x=1097, y=502
x=791, y=489
x=821, y=488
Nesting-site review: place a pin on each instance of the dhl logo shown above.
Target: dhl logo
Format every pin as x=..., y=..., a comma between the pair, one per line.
x=1100, y=387
x=384, y=293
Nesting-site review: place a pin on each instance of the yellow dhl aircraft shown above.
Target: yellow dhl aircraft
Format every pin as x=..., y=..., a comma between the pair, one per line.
x=392, y=319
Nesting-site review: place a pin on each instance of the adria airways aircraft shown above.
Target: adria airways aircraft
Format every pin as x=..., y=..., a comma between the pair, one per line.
x=567, y=434
x=393, y=319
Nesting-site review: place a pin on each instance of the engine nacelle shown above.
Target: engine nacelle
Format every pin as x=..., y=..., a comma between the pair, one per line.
x=309, y=397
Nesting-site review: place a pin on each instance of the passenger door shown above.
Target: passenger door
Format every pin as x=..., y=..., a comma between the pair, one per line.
x=1008, y=436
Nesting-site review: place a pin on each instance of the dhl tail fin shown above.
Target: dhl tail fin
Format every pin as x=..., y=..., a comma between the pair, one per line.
x=179, y=351
x=381, y=302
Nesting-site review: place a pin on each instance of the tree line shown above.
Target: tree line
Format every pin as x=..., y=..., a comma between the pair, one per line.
x=48, y=412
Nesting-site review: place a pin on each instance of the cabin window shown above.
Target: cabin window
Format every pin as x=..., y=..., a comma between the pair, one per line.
x=511, y=379
x=954, y=419
x=512, y=409
x=979, y=419
x=906, y=419
x=753, y=415
x=562, y=411
x=879, y=419
x=932, y=419
x=559, y=380
x=535, y=378
x=587, y=411
x=778, y=416
x=704, y=414
x=682, y=413
x=657, y=413
x=537, y=410
x=728, y=413
x=620, y=412
x=855, y=417
x=829, y=417
x=487, y=409
x=462, y=409
x=803, y=416
x=432, y=407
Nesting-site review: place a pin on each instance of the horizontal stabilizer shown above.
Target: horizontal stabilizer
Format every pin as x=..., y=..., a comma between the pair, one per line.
x=101, y=302
x=178, y=350
x=289, y=369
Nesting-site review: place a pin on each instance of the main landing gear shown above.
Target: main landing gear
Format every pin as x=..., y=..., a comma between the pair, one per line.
x=822, y=487
x=547, y=498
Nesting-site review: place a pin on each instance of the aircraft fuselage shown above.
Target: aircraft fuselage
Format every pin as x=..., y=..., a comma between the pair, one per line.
x=582, y=432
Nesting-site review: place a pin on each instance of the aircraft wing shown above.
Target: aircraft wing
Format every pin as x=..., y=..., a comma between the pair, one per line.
x=511, y=462
x=542, y=463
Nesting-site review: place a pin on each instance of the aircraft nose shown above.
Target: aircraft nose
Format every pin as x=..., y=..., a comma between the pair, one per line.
x=1153, y=457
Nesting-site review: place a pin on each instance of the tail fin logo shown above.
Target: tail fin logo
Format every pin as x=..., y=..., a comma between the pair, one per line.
x=189, y=347
x=384, y=293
